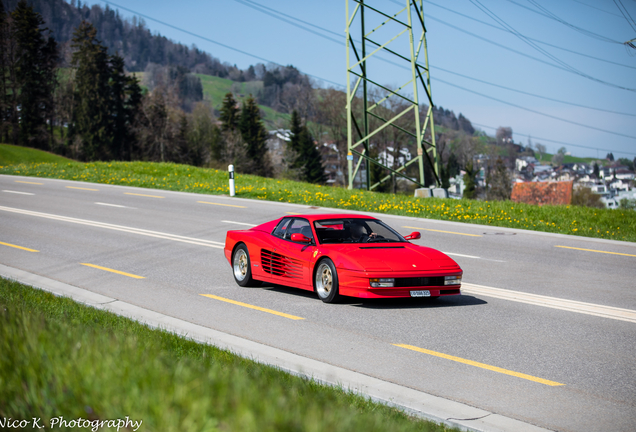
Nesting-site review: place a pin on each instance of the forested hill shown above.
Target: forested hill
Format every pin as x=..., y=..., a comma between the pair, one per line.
x=130, y=38
x=282, y=87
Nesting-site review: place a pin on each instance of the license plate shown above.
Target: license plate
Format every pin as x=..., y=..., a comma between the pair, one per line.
x=421, y=293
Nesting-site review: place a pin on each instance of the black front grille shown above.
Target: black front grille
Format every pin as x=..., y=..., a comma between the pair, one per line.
x=449, y=291
x=419, y=281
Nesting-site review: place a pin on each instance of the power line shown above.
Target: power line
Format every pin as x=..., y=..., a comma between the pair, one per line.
x=462, y=88
x=264, y=9
x=532, y=39
x=535, y=111
x=594, y=7
x=517, y=52
x=212, y=41
x=565, y=65
x=626, y=14
x=546, y=13
x=340, y=85
x=258, y=6
x=531, y=94
x=557, y=142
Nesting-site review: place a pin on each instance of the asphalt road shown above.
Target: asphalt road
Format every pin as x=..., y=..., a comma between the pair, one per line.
x=544, y=332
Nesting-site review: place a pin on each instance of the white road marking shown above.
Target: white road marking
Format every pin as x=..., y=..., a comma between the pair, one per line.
x=139, y=231
x=467, y=288
x=552, y=302
x=110, y=205
x=16, y=192
x=239, y=223
x=471, y=256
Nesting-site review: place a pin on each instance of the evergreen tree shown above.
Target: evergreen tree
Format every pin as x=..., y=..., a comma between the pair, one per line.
x=35, y=74
x=255, y=137
x=294, y=143
x=470, y=188
x=313, y=170
x=500, y=182
x=597, y=170
x=92, y=125
x=6, y=50
x=229, y=114
x=125, y=101
x=377, y=172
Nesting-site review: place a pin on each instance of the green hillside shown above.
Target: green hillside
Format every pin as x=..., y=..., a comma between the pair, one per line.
x=215, y=89
x=13, y=155
x=547, y=157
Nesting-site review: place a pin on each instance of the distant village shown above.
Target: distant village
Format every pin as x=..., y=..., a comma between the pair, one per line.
x=613, y=181
x=607, y=178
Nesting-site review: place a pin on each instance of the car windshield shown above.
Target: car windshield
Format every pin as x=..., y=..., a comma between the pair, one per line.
x=345, y=230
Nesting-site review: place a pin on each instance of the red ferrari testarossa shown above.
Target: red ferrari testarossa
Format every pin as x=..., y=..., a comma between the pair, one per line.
x=340, y=254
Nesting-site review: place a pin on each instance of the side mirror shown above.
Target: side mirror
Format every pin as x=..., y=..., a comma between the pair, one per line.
x=413, y=236
x=297, y=237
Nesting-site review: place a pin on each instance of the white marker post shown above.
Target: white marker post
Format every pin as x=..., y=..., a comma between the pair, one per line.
x=230, y=168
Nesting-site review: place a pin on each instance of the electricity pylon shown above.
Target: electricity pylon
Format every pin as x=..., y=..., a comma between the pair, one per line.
x=408, y=22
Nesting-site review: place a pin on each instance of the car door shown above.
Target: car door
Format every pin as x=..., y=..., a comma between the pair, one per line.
x=290, y=262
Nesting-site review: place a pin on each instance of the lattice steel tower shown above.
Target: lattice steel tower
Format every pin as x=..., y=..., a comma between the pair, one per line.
x=388, y=43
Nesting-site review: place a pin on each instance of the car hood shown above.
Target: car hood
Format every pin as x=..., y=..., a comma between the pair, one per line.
x=397, y=257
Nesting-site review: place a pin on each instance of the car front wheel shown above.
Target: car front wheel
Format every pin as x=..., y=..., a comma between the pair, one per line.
x=326, y=281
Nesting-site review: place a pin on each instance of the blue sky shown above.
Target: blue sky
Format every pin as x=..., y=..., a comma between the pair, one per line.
x=468, y=53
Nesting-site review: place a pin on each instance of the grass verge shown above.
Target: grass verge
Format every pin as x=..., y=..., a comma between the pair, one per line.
x=573, y=220
x=60, y=358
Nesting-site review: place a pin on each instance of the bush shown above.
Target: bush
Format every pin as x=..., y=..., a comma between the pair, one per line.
x=586, y=198
x=627, y=204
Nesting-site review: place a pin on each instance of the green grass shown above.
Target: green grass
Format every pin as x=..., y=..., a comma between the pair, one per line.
x=574, y=220
x=547, y=158
x=60, y=358
x=11, y=155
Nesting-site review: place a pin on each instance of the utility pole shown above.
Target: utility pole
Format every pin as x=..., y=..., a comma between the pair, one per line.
x=391, y=29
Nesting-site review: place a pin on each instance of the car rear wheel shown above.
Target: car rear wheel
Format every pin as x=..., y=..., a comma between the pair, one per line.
x=326, y=281
x=241, y=266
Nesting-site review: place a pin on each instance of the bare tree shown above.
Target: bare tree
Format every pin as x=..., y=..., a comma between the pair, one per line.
x=541, y=149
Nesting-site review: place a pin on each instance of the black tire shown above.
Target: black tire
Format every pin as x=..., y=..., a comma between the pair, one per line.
x=242, y=267
x=326, y=281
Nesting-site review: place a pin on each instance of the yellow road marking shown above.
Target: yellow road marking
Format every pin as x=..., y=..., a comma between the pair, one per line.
x=226, y=205
x=292, y=213
x=136, y=194
x=19, y=247
x=20, y=181
x=252, y=307
x=480, y=365
x=593, y=250
x=81, y=188
x=113, y=271
x=447, y=232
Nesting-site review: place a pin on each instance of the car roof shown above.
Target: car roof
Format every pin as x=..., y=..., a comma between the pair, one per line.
x=323, y=216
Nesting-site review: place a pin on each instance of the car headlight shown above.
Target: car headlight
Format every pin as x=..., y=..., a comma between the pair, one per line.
x=382, y=282
x=452, y=280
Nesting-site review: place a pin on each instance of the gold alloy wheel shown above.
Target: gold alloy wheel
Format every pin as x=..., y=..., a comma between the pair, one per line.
x=324, y=280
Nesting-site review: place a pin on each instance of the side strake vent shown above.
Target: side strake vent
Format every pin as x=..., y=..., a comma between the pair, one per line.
x=279, y=265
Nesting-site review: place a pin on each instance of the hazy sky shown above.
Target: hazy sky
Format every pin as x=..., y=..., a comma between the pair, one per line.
x=565, y=50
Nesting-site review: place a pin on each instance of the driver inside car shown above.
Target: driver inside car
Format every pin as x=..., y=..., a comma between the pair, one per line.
x=359, y=234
